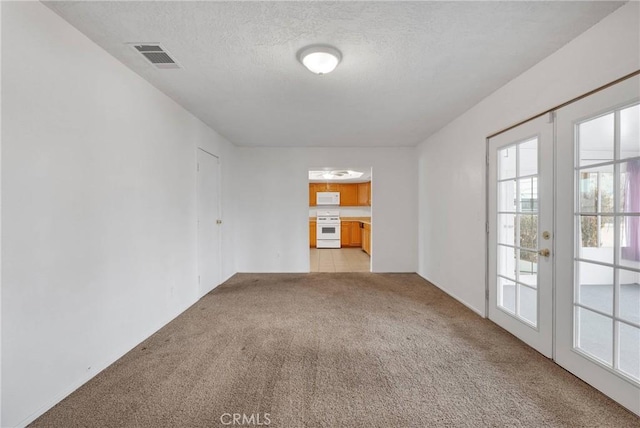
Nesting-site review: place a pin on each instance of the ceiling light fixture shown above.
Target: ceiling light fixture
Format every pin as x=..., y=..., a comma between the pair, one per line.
x=334, y=175
x=320, y=59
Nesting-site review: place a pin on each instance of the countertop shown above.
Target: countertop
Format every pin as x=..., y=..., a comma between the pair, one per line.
x=366, y=220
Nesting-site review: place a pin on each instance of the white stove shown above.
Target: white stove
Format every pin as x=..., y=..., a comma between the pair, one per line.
x=328, y=229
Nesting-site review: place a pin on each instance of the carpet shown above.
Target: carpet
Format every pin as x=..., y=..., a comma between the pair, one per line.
x=333, y=350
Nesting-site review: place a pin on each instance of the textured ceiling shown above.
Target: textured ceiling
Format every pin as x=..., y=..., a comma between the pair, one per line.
x=408, y=68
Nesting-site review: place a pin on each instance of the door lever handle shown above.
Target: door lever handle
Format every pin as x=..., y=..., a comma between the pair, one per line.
x=544, y=252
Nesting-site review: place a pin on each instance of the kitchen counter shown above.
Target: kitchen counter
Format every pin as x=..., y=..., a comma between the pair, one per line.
x=365, y=220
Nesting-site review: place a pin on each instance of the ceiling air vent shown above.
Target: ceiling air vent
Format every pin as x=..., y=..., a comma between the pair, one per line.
x=156, y=55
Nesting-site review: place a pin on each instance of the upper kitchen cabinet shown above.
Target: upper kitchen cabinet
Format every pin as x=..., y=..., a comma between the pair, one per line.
x=312, y=194
x=348, y=195
x=364, y=194
x=320, y=187
x=351, y=195
x=327, y=187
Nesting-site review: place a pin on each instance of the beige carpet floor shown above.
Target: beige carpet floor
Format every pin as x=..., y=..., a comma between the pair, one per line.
x=334, y=350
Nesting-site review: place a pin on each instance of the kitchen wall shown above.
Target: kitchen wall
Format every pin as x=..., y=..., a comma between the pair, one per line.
x=452, y=161
x=98, y=209
x=276, y=237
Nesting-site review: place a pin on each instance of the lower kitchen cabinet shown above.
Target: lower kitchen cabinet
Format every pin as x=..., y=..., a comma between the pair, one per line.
x=312, y=233
x=345, y=234
x=356, y=234
x=350, y=234
x=366, y=238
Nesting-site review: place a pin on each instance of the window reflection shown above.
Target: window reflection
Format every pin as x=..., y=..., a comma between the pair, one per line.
x=630, y=237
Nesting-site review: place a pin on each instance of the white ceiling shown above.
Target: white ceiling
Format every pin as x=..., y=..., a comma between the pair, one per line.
x=408, y=68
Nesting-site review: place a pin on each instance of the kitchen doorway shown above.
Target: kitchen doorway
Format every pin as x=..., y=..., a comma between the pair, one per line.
x=340, y=223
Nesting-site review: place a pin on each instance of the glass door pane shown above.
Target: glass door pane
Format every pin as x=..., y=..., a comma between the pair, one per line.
x=517, y=224
x=520, y=221
x=597, y=295
x=607, y=262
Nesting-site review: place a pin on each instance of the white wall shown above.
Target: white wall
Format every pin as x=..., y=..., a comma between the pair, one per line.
x=99, y=209
x=276, y=238
x=452, y=162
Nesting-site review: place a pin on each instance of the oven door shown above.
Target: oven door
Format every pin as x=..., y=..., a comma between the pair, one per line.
x=328, y=231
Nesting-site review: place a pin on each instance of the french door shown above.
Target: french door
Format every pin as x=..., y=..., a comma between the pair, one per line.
x=520, y=216
x=564, y=237
x=598, y=241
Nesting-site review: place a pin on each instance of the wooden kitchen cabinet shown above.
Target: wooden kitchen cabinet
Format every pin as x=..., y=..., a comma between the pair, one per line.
x=356, y=234
x=348, y=195
x=312, y=233
x=350, y=234
x=364, y=194
x=327, y=187
x=351, y=194
x=320, y=187
x=366, y=238
x=345, y=233
x=313, y=189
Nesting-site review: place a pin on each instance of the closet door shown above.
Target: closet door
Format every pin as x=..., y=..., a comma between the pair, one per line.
x=209, y=222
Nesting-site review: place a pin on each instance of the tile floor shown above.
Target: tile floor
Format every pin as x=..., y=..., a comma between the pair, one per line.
x=339, y=260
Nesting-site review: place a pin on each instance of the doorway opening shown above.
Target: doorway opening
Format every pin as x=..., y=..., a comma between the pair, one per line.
x=340, y=225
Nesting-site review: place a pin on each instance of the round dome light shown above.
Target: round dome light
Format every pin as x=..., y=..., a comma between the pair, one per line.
x=320, y=59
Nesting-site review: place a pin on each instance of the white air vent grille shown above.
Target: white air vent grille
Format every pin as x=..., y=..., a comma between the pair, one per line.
x=156, y=55
x=148, y=48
